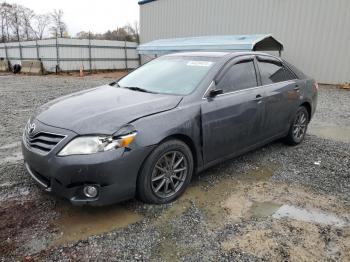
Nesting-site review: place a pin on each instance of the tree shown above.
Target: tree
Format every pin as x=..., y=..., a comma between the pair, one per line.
x=128, y=32
x=40, y=24
x=5, y=15
x=16, y=20
x=85, y=35
x=133, y=30
x=59, y=27
x=3, y=21
x=27, y=22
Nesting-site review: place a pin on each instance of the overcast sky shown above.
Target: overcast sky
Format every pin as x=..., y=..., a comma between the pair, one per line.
x=96, y=16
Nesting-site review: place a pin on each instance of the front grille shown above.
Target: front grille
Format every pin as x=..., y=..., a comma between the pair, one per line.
x=43, y=141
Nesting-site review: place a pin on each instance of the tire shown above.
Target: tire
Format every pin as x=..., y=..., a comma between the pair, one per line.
x=163, y=176
x=17, y=68
x=297, y=130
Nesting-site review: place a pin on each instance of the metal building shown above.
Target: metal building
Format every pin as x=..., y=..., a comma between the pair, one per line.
x=315, y=33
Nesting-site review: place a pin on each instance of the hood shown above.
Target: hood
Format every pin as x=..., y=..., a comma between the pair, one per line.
x=103, y=110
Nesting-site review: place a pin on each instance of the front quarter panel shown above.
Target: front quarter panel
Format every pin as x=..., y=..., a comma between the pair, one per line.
x=183, y=121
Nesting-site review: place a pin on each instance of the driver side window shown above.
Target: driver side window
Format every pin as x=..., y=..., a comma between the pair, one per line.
x=239, y=76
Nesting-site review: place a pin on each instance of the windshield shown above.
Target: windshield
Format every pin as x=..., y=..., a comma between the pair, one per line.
x=169, y=75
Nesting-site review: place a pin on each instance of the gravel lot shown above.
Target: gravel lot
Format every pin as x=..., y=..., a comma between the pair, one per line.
x=276, y=203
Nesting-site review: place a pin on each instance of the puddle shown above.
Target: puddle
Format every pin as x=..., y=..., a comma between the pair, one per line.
x=79, y=223
x=341, y=134
x=278, y=211
x=259, y=173
x=209, y=200
x=213, y=201
x=263, y=209
x=313, y=216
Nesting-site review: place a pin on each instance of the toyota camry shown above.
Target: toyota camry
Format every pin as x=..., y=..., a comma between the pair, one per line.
x=146, y=134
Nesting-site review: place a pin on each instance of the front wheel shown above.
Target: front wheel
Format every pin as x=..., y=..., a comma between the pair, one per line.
x=298, y=128
x=166, y=173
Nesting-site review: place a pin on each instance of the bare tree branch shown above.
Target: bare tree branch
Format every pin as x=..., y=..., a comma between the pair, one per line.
x=59, y=27
x=40, y=24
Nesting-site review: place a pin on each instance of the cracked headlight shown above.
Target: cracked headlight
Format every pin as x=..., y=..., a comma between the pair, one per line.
x=85, y=145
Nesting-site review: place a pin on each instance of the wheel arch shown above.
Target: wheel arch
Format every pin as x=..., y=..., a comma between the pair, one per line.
x=189, y=142
x=183, y=138
x=307, y=105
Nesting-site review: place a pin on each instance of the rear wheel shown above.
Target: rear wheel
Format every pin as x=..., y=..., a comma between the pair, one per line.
x=166, y=173
x=298, y=128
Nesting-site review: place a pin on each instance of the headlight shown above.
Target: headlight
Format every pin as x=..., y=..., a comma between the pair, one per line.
x=85, y=145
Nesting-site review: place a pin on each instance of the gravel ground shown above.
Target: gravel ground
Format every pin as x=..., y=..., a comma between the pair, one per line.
x=227, y=214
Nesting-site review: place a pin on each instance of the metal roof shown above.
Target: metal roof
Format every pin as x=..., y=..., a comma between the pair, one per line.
x=197, y=54
x=230, y=43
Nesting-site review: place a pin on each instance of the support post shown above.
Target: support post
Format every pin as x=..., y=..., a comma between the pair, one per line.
x=125, y=56
x=37, y=49
x=139, y=56
x=57, y=57
x=20, y=51
x=90, y=63
x=6, y=54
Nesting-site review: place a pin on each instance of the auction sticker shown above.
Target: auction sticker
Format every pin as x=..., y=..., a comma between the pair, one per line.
x=199, y=63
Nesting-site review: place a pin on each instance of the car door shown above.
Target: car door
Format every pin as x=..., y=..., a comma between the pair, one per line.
x=281, y=92
x=232, y=121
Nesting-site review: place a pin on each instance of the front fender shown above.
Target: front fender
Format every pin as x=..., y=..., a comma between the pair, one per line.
x=184, y=121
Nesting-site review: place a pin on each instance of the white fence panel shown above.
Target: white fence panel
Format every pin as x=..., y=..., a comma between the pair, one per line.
x=72, y=54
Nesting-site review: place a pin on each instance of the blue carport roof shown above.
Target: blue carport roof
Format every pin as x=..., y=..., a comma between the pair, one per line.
x=259, y=42
x=142, y=2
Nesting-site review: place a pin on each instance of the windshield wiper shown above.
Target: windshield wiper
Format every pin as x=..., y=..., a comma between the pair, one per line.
x=114, y=84
x=136, y=88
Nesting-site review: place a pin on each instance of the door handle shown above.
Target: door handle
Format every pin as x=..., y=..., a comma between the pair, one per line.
x=258, y=98
x=296, y=88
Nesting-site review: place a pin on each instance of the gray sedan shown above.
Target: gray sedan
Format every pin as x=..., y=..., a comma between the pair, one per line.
x=148, y=133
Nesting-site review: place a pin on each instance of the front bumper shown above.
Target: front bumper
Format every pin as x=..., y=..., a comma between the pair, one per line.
x=113, y=172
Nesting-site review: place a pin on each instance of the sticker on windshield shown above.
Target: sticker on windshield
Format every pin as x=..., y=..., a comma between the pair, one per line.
x=199, y=63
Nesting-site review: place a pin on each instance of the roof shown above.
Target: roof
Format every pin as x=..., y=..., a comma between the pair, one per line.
x=143, y=2
x=204, y=54
x=228, y=43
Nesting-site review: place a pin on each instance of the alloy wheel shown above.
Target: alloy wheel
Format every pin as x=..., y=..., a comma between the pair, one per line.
x=300, y=125
x=169, y=174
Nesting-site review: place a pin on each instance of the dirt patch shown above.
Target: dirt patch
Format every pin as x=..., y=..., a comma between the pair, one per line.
x=278, y=238
x=341, y=134
x=19, y=222
x=78, y=223
x=264, y=198
x=293, y=240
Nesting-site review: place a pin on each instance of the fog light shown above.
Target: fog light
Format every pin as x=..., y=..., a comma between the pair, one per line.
x=90, y=191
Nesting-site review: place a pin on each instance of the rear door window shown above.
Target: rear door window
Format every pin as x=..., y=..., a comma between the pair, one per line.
x=273, y=71
x=239, y=76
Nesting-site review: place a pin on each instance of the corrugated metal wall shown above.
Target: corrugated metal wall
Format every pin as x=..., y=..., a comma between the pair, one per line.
x=315, y=33
x=74, y=53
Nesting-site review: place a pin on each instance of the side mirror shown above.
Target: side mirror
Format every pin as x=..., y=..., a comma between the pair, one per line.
x=215, y=92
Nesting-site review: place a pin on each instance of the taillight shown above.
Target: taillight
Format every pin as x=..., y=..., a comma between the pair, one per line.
x=315, y=85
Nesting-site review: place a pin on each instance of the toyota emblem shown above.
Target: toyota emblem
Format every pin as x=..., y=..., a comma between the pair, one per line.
x=31, y=128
